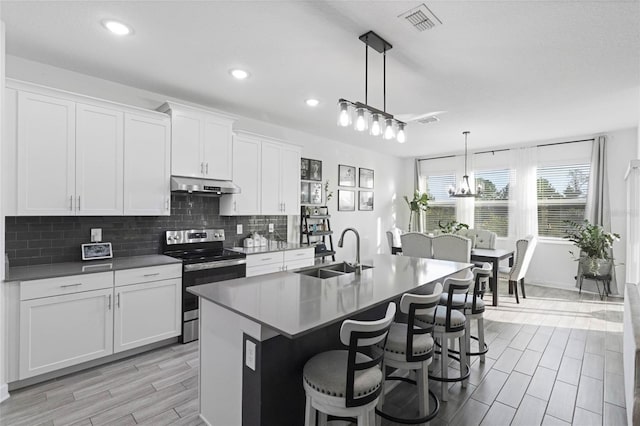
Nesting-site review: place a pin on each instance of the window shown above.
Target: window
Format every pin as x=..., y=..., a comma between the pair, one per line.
x=492, y=206
x=442, y=208
x=562, y=195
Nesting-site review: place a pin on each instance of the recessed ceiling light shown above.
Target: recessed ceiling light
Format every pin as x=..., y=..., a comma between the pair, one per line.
x=312, y=102
x=239, y=74
x=117, y=28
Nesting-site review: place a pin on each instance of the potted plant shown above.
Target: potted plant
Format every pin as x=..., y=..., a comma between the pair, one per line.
x=452, y=227
x=419, y=203
x=594, y=244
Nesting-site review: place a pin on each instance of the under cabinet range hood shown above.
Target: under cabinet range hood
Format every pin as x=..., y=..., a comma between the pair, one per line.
x=209, y=187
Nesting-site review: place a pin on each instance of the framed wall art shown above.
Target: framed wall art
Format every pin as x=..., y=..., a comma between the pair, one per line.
x=346, y=200
x=365, y=200
x=304, y=193
x=315, y=193
x=366, y=178
x=304, y=168
x=94, y=251
x=346, y=175
x=315, y=170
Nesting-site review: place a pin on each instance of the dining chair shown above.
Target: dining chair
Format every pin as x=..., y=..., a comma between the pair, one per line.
x=451, y=247
x=416, y=244
x=394, y=239
x=516, y=273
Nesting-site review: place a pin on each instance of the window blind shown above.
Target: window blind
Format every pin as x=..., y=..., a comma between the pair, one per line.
x=442, y=208
x=491, y=210
x=562, y=195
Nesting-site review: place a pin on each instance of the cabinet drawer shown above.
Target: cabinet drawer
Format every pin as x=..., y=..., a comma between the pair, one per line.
x=264, y=269
x=294, y=255
x=65, y=285
x=301, y=263
x=151, y=273
x=264, y=259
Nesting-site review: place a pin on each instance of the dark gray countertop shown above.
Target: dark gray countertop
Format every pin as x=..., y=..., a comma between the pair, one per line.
x=273, y=247
x=36, y=272
x=293, y=304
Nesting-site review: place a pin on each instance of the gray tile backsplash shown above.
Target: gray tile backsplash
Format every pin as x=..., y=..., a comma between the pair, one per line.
x=32, y=240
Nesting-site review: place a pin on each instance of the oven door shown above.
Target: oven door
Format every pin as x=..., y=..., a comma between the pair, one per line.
x=204, y=273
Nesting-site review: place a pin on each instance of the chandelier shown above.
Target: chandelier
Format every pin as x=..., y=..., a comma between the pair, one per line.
x=464, y=189
x=379, y=123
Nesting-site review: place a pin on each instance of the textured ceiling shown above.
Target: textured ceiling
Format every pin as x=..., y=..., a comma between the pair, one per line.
x=508, y=71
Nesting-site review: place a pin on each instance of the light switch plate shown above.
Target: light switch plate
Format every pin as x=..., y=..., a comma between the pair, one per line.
x=250, y=355
x=96, y=235
x=239, y=229
x=271, y=227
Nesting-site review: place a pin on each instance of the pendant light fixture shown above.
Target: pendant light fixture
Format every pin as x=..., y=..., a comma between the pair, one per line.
x=379, y=123
x=464, y=189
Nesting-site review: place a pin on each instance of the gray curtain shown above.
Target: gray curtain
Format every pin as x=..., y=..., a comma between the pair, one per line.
x=598, y=208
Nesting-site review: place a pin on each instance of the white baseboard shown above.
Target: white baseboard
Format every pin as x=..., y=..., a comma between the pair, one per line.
x=4, y=392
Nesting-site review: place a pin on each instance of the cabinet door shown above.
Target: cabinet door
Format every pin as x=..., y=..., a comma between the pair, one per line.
x=186, y=153
x=146, y=166
x=147, y=313
x=99, y=161
x=270, y=177
x=60, y=331
x=46, y=155
x=290, y=181
x=246, y=174
x=216, y=148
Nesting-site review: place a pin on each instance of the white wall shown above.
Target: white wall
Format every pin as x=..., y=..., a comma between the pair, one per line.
x=388, y=189
x=3, y=386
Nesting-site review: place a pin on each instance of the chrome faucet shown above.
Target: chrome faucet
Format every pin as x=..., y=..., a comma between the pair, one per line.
x=341, y=241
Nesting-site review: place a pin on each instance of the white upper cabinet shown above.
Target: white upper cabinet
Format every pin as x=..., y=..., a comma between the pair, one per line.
x=268, y=174
x=45, y=155
x=280, y=179
x=146, y=172
x=201, y=142
x=246, y=174
x=99, y=161
x=68, y=155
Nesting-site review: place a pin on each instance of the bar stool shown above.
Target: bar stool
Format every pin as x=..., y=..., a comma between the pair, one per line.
x=449, y=324
x=410, y=347
x=473, y=309
x=347, y=383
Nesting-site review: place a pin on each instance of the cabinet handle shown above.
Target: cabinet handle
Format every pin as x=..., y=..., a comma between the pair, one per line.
x=234, y=206
x=167, y=204
x=71, y=202
x=118, y=300
x=207, y=171
x=78, y=203
x=284, y=207
x=70, y=285
x=151, y=275
x=109, y=304
x=201, y=168
x=266, y=258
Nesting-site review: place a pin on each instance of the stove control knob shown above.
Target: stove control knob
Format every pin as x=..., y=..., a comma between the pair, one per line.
x=216, y=235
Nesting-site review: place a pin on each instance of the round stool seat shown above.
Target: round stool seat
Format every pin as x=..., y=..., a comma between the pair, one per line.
x=397, y=343
x=458, y=299
x=327, y=373
x=457, y=318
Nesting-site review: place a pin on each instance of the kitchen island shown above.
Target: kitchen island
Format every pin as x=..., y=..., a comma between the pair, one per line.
x=257, y=333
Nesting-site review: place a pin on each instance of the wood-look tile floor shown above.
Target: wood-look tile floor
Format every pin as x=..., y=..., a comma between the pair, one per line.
x=556, y=358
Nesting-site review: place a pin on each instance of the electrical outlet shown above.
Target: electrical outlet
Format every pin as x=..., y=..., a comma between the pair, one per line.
x=271, y=227
x=239, y=229
x=250, y=355
x=96, y=235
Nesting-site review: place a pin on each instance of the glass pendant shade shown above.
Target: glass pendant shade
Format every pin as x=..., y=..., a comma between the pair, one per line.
x=375, y=129
x=464, y=189
x=389, y=132
x=401, y=135
x=344, y=114
x=361, y=123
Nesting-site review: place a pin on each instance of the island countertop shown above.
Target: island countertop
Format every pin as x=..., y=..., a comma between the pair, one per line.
x=294, y=304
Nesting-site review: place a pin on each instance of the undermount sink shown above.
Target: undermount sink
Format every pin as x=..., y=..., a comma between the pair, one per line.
x=330, y=271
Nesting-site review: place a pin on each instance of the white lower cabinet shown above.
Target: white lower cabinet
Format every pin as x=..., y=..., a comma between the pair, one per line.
x=267, y=263
x=61, y=331
x=146, y=313
x=69, y=320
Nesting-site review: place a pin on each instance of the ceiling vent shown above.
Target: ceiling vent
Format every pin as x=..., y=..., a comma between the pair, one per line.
x=421, y=18
x=428, y=120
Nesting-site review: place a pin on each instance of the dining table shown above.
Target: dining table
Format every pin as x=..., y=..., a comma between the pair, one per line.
x=492, y=256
